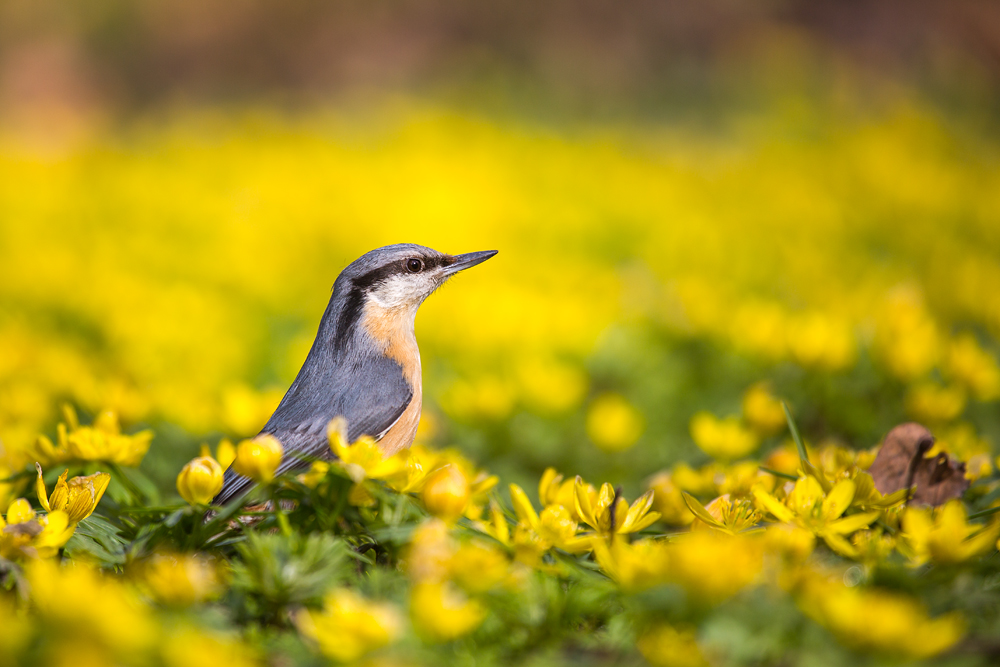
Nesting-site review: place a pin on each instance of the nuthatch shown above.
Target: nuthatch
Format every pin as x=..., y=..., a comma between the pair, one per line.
x=364, y=364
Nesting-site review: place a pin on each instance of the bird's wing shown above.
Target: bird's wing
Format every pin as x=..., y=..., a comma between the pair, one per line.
x=370, y=394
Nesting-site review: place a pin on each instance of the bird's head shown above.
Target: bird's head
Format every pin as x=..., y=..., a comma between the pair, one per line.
x=401, y=276
x=383, y=288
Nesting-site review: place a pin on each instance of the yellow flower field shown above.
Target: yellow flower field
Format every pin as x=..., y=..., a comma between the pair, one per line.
x=607, y=471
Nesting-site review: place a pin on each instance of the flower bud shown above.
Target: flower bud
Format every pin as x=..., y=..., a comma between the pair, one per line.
x=446, y=493
x=258, y=458
x=200, y=480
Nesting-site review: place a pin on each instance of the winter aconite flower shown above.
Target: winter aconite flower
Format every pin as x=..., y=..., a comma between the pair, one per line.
x=441, y=612
x=180, y=580
x=78, y=497
x=27, y=535
x=200, y=480
x=875, y=620
x=613, y=424
x=537, y=533
x=609, y=514
x=636, y=566
x=945, y=536
x=723, y=439
x=258, y=458
x=349, y=626
x=670, y=646
x=101, y=441
x=820, y=513
x=446, y=493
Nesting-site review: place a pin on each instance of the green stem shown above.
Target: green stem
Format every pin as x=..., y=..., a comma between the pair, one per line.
x=986, y=512
x=776, y=473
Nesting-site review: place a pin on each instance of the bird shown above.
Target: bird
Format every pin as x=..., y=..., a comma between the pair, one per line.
x=364, y=364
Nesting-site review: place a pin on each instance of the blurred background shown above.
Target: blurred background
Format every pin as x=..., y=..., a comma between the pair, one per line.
x=698, y=205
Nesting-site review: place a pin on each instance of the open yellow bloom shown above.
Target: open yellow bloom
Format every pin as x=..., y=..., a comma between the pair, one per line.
x=723, y=439
x=258, y=458
x=363, y=458
x=669, y=646
x=349, y=626
x=807, y=506
x=724, y=513
x=609, y=515
x=200, y=480
x=78, y=497
x=537, y=533
x=441, y=613
x=763, y=411
x=875, y=620
x=669, y=501
x=636, y=566
x=101, y=441
x=713, y=566
x=180, y=580
x=24, y=534
x=554, y=490
x=945, y=537
x=613, y=424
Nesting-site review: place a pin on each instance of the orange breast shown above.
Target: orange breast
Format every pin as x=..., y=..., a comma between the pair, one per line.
x=392, y=330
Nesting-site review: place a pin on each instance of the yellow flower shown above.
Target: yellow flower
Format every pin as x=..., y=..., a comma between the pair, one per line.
x=76, y=602
x=78, y=497
x=441, y=613
x=614, y=424
x=807, y=506
x=713, y=566
x=200, y=480
x=554, y=490
x=930, y=402
x=668, y=501
x=316, y=473
x=362, y=459
x=537, y=533
x=610, y=515
x=974, y=367
x=446, y=493
x=762, y=411
x=945, y=537
x=725, y=514
x=478, y=566
x=497, y=527
x=24, y=534
x=671, y=646
x=875, y=620
x=191, y=647
x=636, y=566
x=258, y=458
x=722, y=439
x=793, y=543
x=180, y=580
x=101, y=441
x=349, y=626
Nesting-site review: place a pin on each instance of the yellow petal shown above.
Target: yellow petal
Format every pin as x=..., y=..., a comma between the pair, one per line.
x=773, y=505
x=522, y=506
x=638, y=509
x=852, y=523
x=838, y=500
x=20, y=511
x=699, y=510
x=60, y=495
x=43, y=496
x=336, y=430
x=584, y=507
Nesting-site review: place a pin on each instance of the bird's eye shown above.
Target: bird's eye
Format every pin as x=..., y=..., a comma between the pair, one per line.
x=414, y=265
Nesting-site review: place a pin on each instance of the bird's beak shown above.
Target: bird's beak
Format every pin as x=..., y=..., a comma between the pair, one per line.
x=468, y=260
